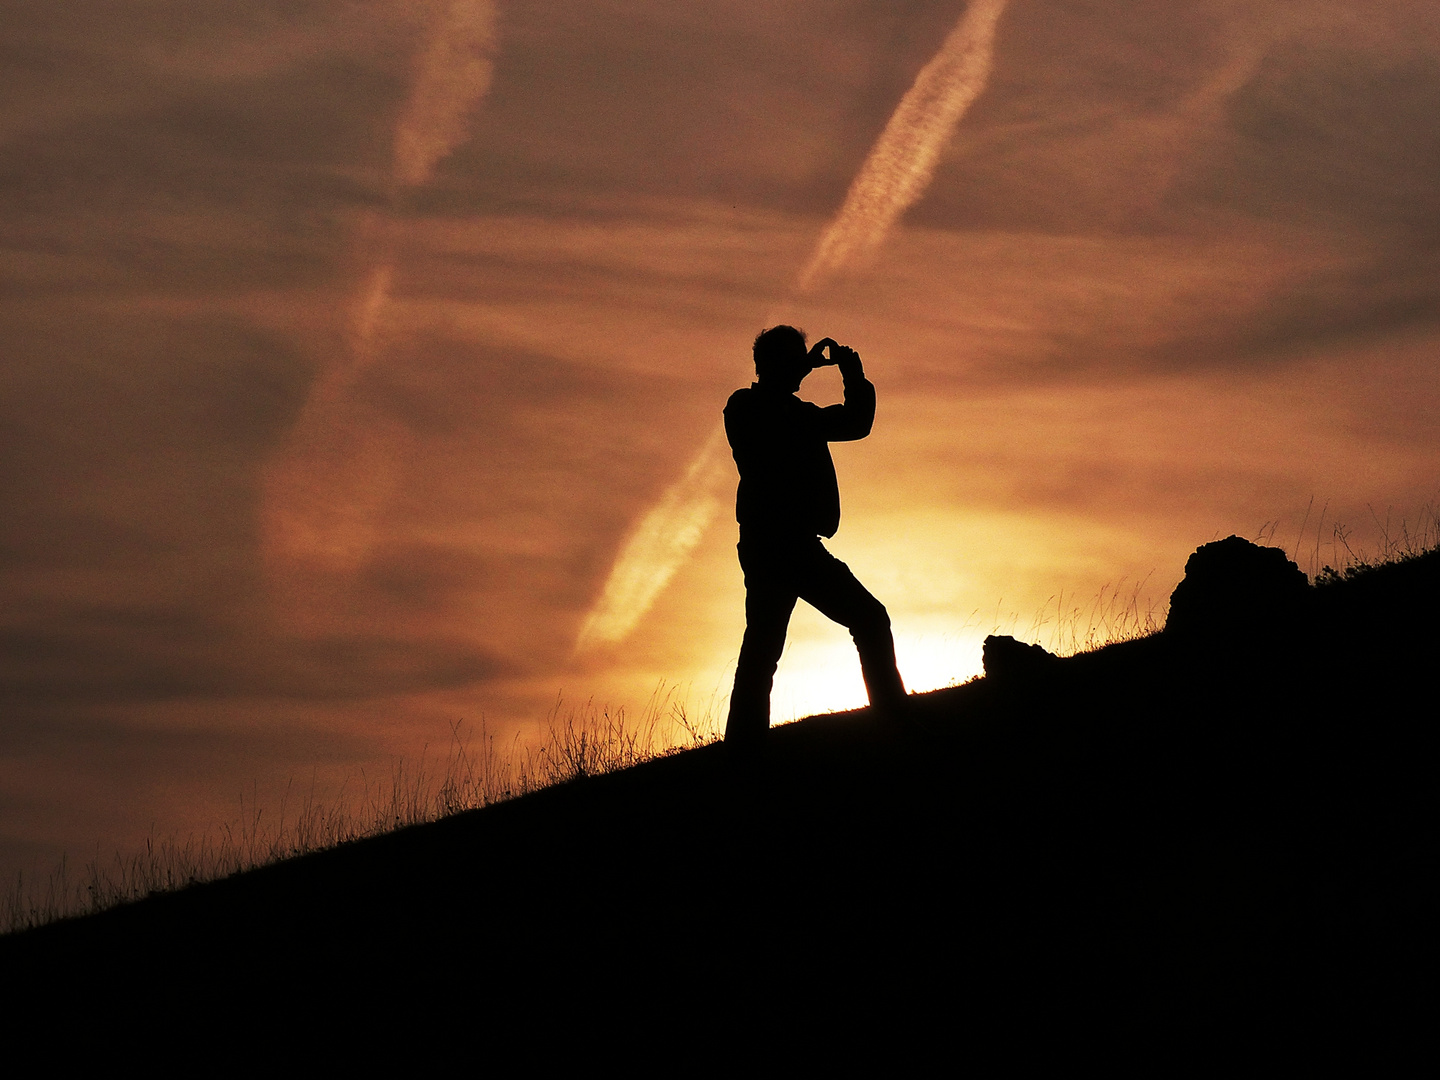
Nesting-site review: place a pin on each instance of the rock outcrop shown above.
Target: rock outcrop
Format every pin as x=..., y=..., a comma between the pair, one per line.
x=1237, y=592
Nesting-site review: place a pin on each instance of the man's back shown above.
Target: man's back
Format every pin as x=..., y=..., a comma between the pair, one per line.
x=781, y=448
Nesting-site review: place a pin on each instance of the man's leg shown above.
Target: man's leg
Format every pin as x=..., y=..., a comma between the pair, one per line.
x=769, y=601
x=827, y=584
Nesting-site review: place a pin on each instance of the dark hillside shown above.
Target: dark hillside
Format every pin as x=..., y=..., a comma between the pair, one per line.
x=1234, y=812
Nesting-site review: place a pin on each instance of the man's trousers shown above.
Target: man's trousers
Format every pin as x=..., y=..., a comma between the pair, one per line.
x=777, y=573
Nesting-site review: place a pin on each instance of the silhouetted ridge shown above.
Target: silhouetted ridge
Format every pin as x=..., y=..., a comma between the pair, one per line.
x=1154, y=829
x=1391, y=607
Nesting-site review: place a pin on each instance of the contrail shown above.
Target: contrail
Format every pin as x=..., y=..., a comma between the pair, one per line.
x=455, y=71
x=895, y=174
x=657, y=548
x=903, y=160
x=324, y=493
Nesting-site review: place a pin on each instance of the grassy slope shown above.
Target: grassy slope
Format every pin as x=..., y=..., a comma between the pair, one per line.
x=1246, y=821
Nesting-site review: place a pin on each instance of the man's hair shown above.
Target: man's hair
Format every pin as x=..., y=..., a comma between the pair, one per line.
x=776, y=346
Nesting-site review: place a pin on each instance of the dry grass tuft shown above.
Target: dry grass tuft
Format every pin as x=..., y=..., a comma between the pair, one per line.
x=1114, y=614
x=581, y=743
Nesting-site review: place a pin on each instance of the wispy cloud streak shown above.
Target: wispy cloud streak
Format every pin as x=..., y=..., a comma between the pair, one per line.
x=455, y=70
x=902, y=162
x=895, y=175
x=325, y=491
x=658, y=547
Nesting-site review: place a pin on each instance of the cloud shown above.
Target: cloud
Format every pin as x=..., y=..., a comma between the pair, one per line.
x=661, y=541
x=900, y=165
x=322, y=493
x=98, y=656
x=454, y=71
x=325, y=491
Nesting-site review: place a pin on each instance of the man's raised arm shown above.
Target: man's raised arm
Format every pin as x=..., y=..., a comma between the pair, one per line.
x=852, y=420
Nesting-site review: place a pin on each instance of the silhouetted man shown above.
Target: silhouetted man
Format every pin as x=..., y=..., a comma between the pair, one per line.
x=787, y=500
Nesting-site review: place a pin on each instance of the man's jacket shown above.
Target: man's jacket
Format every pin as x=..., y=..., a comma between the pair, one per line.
x=781, y=447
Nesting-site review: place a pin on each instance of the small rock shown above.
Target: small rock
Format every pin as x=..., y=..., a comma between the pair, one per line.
x=1006, y=658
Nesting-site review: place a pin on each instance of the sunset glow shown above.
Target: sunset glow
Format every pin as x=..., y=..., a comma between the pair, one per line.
x=364, y=361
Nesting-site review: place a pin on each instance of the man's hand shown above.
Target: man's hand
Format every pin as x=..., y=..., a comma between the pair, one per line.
x=843, y=356
x=817, y=352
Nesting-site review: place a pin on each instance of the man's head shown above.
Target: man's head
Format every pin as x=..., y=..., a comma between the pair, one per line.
x=781, y=358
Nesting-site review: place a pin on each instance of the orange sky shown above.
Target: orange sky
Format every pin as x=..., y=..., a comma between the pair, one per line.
x=347, y=343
